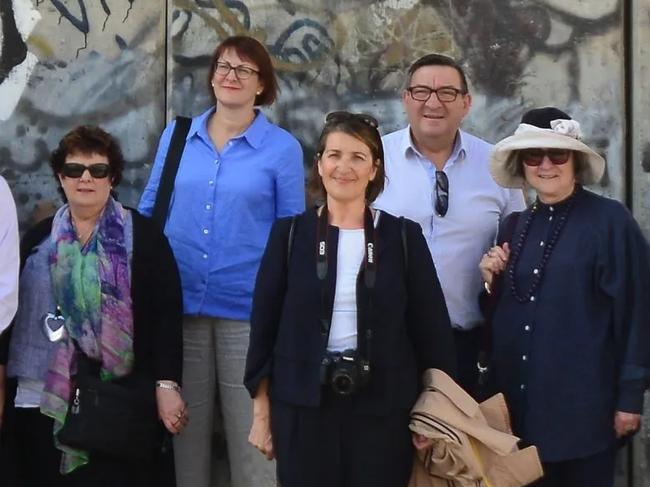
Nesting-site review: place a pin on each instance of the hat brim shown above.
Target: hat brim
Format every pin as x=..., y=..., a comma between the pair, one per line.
x=503, y=166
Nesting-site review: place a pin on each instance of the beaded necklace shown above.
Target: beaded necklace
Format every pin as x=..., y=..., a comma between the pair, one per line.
x=549, y=245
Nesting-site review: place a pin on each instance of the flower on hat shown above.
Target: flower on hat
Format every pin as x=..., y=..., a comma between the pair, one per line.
x=570, y=128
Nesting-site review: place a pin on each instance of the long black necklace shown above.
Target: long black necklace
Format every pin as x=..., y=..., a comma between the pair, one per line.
x=549, y=245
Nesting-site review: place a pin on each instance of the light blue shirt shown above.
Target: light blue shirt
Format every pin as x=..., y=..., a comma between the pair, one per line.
x=223, y=206
x=476, y=206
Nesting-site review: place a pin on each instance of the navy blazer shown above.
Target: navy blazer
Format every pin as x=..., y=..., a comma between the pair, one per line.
x=411, y=328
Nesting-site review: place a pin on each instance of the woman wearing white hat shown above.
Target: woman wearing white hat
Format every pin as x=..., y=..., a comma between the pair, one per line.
x=569, y=309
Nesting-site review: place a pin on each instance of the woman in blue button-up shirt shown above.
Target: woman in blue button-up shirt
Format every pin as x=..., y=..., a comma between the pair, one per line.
x=237, y=175
x=571, y=325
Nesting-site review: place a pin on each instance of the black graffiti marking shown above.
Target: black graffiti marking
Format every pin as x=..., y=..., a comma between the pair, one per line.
x=14, y=50
x=128, y=10
x=504, y=38
x=107, y=11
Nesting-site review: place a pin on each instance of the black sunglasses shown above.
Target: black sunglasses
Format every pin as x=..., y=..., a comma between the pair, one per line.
x=535, y=157
x=336, y=117
x=75, y=170
x=442, y=193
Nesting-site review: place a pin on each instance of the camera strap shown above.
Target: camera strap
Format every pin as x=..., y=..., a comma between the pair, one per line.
x=364, y=333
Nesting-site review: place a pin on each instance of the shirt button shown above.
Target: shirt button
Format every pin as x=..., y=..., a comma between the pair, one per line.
x=208, y=207
x=522, y=387
x=526, y=327
x=551, y=208
x=205, y=256
x=216, y=161
x=541, y=244
x=211, y=182
x=532, y=298
x=206, y=231
x=524, y=357
x=535, y=271
x=550, y=218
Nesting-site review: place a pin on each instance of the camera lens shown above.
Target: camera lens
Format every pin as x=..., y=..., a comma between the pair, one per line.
x=342, y=384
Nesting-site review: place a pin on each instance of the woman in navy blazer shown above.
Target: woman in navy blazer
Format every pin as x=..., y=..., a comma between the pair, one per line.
x=343, y=282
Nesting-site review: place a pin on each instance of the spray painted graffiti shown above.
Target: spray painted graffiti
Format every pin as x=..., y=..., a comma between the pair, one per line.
x=16, y=62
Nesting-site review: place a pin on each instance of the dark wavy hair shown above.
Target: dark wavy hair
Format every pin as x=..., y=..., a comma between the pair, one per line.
x=88, y=139
x=355, y=126
x=251, y=50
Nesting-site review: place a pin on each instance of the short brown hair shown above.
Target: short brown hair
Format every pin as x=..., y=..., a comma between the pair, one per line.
x=88, y=139
x=356, y=126
x=251, y=50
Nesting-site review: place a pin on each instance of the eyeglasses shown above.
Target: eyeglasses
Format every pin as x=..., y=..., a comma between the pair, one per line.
x=535, y=157
x=76, y=170
x=446, y=94
x=442, y=193
x=336, y=117
x=241, y=71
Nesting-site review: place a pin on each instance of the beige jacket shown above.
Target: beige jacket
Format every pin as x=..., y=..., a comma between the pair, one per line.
x=473, y=443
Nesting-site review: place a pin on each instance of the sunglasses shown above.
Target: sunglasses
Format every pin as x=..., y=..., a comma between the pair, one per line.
x=337, y=117
x=75, y=170
x=442, y=193
x=535, y=157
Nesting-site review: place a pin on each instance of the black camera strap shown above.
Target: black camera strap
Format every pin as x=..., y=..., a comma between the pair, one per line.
x=364, y=330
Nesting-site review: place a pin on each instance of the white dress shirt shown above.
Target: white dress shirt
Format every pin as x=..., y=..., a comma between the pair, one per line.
x=476, y=206
x=9, y=256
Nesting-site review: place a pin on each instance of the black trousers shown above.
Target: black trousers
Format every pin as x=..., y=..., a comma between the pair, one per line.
x=468, y=344
x=28, y=458
x=592, y=471
x=331, y=445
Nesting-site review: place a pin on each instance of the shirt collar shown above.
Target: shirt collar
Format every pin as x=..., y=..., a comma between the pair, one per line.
x=458, y=152
x=254, y=134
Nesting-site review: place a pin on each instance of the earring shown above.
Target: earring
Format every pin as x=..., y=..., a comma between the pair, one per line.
x=212, y=84
x=258, y=93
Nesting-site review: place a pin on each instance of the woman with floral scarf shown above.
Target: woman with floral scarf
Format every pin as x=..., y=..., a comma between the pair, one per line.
x=99, y=280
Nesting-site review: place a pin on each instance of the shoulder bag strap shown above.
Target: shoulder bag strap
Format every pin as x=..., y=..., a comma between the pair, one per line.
x=168, y=176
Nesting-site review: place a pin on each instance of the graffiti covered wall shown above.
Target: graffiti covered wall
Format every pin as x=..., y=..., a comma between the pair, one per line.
x=131, y=65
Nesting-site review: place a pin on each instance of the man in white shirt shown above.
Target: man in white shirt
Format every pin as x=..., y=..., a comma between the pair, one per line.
x=438, y=176
x=9, y=264
x=9, y=256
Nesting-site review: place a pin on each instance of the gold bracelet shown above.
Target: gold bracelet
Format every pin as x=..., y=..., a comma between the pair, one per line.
x=169, y=385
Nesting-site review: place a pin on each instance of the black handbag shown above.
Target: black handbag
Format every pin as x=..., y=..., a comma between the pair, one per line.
x=118, y=418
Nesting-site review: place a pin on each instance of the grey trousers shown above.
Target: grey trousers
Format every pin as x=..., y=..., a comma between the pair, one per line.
x=215, y=355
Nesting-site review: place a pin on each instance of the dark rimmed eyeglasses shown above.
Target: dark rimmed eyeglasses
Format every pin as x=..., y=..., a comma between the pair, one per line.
x=76, y=170
x=535, y=157
x=445, y=94
x=241, y=71
x=442, y=193
x=341, y=116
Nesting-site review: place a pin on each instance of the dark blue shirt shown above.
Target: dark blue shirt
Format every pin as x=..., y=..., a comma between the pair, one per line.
x=223, y=206
x=579, y=349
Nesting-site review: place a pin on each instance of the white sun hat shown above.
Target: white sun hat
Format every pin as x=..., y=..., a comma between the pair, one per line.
x=543, y=128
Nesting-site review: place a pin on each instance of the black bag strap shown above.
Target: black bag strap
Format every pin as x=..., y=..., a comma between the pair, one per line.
x=168, y=176
x=292, y=229
x=402, y=224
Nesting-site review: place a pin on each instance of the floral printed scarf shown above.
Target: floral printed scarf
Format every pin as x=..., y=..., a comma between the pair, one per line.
x=92, y=288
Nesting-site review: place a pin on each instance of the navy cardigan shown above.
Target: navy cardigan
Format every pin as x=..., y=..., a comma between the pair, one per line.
x=411, y=328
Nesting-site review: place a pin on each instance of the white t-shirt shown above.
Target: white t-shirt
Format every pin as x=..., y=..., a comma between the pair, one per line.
x=350, y=254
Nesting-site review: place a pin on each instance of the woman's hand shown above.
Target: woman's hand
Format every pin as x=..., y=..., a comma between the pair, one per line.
x=494, y=262
x=626, y=423
x=171, y=410
x=421, y=442
x=260, y=435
